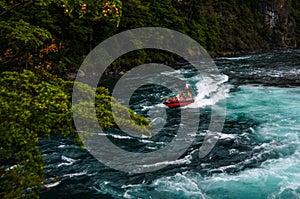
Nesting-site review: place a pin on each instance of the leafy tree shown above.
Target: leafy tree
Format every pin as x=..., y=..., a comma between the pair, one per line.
x=30, y=26
x=151, y=13
x=30, y=109
x=32, y=106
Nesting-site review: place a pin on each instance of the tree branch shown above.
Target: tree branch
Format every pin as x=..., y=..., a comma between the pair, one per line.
x=13, y=7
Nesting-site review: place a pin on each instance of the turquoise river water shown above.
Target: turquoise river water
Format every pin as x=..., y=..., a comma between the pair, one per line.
x=257, y=154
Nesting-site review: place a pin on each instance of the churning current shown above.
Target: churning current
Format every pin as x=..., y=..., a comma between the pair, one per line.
x=257, y=154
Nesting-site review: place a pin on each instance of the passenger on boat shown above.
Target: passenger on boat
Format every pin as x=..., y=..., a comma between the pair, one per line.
x=182, y=97
x=187, y=89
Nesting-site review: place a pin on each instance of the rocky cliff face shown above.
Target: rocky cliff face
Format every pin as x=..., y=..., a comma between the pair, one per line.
x=256, y=25
x=277, y=16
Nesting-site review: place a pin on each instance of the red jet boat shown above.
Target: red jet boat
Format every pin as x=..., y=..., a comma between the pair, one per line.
x=175, y=102
x=182, y=100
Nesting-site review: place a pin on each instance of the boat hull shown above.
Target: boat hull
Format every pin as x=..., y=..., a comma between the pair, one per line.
x=178, y=103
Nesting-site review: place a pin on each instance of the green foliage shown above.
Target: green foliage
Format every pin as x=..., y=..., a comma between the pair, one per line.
x=21, y=32
x=32, y=106
x=103, y=106
x=30, y=109
x=220, y=26
x=151, y=13
x=29, y=26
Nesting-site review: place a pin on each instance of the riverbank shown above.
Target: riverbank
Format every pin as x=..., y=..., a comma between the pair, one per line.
x=115, y=73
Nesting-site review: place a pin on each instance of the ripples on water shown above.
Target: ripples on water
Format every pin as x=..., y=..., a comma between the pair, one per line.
x=257, y=155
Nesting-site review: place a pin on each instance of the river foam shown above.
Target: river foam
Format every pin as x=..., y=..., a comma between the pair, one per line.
x=257, y=154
